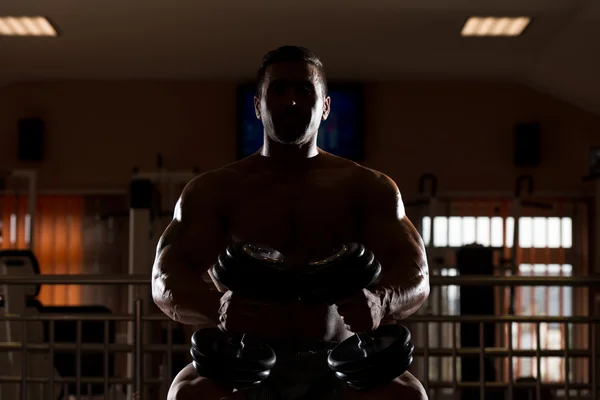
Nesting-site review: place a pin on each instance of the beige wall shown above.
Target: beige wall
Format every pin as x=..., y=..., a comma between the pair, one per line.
x=96, y=131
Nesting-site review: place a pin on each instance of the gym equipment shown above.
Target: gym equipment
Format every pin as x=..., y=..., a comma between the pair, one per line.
x=145, y=215
x=147, y=220
x=25, y=262
x=21, y=300
x=257, y=272
x=240, y=361
x=364, y=360
x=15, y=302
x=92, y=365
x=476, y=300
x=30, y=177
x=237, y=361
x=321, y=281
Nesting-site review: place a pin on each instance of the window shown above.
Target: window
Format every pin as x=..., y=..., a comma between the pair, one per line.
x=542, y=248
x=534, y=232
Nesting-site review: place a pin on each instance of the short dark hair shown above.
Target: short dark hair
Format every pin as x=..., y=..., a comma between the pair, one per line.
x=289, y=54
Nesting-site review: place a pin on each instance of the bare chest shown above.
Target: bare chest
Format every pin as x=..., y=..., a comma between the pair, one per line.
x=304, y=218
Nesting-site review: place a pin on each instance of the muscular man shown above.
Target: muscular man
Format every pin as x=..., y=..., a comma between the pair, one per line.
x=304, y=202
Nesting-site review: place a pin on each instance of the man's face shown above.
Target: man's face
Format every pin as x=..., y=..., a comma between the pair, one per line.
x=292, y=104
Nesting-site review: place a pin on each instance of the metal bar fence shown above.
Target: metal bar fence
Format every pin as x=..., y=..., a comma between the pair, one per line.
x=568, y=389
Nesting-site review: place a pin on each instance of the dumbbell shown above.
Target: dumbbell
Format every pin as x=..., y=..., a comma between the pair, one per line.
x=235, y=361
x=240, y=361
x=364, y=360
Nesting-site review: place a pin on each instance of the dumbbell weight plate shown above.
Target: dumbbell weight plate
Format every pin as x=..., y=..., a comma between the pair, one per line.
x=389, y=344
x=256, y=272
x=353, y=262
x=397, y=363
x=379, y=373
x=228, y=377
x=214, y=344
x=229, y=364
x=373, y=377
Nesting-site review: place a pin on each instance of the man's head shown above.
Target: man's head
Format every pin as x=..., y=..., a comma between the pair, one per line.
x=292, y=97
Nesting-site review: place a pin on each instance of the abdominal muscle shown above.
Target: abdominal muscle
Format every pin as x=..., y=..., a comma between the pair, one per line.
x=321, y=323
x=297, y=320
x=314, y=322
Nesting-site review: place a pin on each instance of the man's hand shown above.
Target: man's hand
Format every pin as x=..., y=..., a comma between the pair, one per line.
x=361, y=313
x=262, y=319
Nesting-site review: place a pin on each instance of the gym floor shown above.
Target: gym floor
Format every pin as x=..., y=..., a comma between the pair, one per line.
x=486, y=118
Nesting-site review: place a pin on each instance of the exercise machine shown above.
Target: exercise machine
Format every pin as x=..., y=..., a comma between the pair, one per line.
x=22, y=181
x=33, y=360
x=17, y=300
x=475, y=300
x=28, y=324
x=16, y=363
x=145, y=217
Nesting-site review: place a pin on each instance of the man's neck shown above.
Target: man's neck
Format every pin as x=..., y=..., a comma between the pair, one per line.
x=289, y=156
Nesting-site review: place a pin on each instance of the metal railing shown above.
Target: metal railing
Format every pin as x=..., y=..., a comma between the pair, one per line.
x=442, y=389
x=471, y=280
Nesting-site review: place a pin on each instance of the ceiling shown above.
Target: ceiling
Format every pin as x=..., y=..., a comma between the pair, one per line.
x=357, y=39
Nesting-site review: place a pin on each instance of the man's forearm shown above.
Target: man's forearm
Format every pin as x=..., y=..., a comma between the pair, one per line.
x=182, y=293
x=192, y=306
x=399, y=299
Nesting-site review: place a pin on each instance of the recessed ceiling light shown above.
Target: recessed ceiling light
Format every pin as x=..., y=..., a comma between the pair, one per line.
x=495, y=26
x=26, y=26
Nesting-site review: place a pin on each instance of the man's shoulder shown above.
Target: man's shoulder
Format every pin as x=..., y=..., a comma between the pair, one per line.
x=374, y=180
x=244, y=165
x=222, y=179
x=212, y=182
x=364, y=177
x=377, y=192
x=212, y=178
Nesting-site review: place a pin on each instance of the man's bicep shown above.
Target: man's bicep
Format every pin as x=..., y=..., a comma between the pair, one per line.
x=393, y=238
x=197, y=233
x=388, y=232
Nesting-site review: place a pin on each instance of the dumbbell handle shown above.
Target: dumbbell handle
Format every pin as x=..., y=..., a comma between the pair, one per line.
x=363, y=339
x=238, y=342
